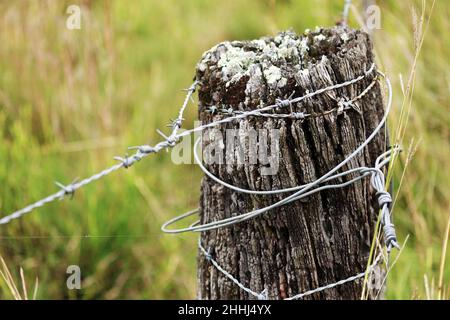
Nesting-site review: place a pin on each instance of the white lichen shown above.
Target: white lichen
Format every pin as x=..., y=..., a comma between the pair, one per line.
x=288, y=47
x=235, y=61
x=287, y=53
x=202, y=66
x=278, y=38
x=257, y=61
x=272, y=75
x=345, y=37
x=260, y=44
x=304, y=46
x=274, y=78
x=320, y=37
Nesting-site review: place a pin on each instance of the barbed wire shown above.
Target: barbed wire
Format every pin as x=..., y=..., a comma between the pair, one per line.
x=168, y=142
x=125, y=162
x=142, y=151
x=280, y=103
x=342, y=105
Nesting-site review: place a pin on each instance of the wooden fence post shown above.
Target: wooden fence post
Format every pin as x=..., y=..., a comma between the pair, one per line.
x=314, y=241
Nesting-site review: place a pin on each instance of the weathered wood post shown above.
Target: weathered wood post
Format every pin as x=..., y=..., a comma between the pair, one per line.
x=320, y=239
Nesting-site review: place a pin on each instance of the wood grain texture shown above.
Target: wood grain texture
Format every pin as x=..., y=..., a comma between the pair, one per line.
x=317, y=240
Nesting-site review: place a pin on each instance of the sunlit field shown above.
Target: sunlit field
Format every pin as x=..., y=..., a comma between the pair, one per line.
x=71, y=100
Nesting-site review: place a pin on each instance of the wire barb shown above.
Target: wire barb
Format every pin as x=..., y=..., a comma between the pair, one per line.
x=126, y=161
x=212, y=109
x=175, y=123
x=68, y=190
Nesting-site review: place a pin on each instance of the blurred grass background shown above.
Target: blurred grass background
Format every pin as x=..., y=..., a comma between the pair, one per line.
x=70, y=100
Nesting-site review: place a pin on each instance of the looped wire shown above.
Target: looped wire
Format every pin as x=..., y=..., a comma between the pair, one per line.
x=377, y=180
x=384, y=197
x=300, y=191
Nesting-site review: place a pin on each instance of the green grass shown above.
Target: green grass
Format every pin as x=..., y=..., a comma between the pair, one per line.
x=71, y=100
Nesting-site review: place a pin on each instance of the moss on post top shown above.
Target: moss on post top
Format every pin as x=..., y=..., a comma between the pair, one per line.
x=247, y=68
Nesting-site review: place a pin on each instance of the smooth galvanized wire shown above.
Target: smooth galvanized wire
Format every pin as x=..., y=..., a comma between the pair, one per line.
x=376, y=178
x=307, y=189
x=376, y=172
x=363, y=171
